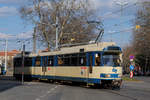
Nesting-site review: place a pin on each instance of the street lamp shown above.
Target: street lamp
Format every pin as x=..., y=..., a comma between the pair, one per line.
x=121, y=3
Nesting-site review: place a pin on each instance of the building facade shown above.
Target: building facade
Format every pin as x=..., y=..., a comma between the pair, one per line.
x=10, y=55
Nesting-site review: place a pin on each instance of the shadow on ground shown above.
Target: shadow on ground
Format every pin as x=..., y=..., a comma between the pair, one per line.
x=8, y=82
x=81, y=85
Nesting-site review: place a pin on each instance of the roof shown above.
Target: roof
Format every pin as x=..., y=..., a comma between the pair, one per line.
x=76, y=49
x=9, y=53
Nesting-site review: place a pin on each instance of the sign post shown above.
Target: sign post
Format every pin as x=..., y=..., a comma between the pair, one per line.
x=131, y=65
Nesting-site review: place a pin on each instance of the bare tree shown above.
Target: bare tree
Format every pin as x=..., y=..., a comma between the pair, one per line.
x=127, y=51
x=73, y=16
x=141, y=36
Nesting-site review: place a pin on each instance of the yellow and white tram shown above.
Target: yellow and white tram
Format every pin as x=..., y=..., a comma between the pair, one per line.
x=98, y=63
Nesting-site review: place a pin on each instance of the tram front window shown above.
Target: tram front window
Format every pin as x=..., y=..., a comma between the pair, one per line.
x=111, y=60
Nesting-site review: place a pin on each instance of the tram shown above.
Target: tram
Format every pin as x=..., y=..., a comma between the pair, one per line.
x=97, y=63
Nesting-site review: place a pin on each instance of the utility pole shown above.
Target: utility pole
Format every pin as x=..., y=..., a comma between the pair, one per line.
x=23, y=56
x=145, y=64
x=6, y=46
x=34, y=40
x=56, y=32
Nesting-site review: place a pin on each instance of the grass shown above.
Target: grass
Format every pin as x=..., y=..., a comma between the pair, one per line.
x=129, y=79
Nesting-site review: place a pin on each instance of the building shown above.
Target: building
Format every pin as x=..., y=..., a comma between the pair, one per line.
x=10, y=55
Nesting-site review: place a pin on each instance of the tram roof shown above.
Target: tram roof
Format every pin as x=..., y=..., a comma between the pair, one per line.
x=77, y=49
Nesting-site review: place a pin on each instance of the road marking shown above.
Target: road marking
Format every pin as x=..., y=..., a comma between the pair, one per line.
x=52, y=89
x=37, y=99
x=48, y=92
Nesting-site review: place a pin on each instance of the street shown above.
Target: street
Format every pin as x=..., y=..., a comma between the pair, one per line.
x=14, y=90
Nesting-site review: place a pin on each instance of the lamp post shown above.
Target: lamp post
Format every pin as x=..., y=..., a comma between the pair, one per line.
x=23, y=57
x=6, y=47
x=56, y=32
x=121, y=3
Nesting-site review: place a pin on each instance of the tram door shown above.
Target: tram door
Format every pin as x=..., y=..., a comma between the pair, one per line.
x=90, y=63
x=44, y=65
x=90, y=66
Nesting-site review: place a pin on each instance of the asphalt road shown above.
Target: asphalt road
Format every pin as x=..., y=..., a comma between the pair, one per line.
x=13, y=90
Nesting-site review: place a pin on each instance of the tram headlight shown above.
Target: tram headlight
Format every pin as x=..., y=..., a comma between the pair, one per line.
x=107, y=76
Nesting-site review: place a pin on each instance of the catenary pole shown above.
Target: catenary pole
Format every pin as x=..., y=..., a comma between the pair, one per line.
x=56, y=32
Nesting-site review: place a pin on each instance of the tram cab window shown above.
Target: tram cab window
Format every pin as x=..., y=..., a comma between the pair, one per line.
x=97, y=59
x=111, y=60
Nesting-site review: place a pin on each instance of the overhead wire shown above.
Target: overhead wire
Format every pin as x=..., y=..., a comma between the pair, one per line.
x=117, y=11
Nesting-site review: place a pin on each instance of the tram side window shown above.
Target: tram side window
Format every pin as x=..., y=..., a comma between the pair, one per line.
x=66, y=60
x=60, y=61
x=38, y=61
x=97, y=59
x=28, y=62
x=82, y=59
x=17, y=62
x=50, y=61
x=74, y=60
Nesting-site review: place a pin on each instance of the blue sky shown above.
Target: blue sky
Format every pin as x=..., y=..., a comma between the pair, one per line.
x=11, y=23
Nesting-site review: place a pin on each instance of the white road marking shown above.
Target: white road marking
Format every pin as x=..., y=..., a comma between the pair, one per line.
x=52, y=89
x=37, y=99
x=48, y=92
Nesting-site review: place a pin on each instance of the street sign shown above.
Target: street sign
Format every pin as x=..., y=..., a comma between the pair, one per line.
x=131, y=60
x=131, y=74
x=131, y=67
x=131, y=57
